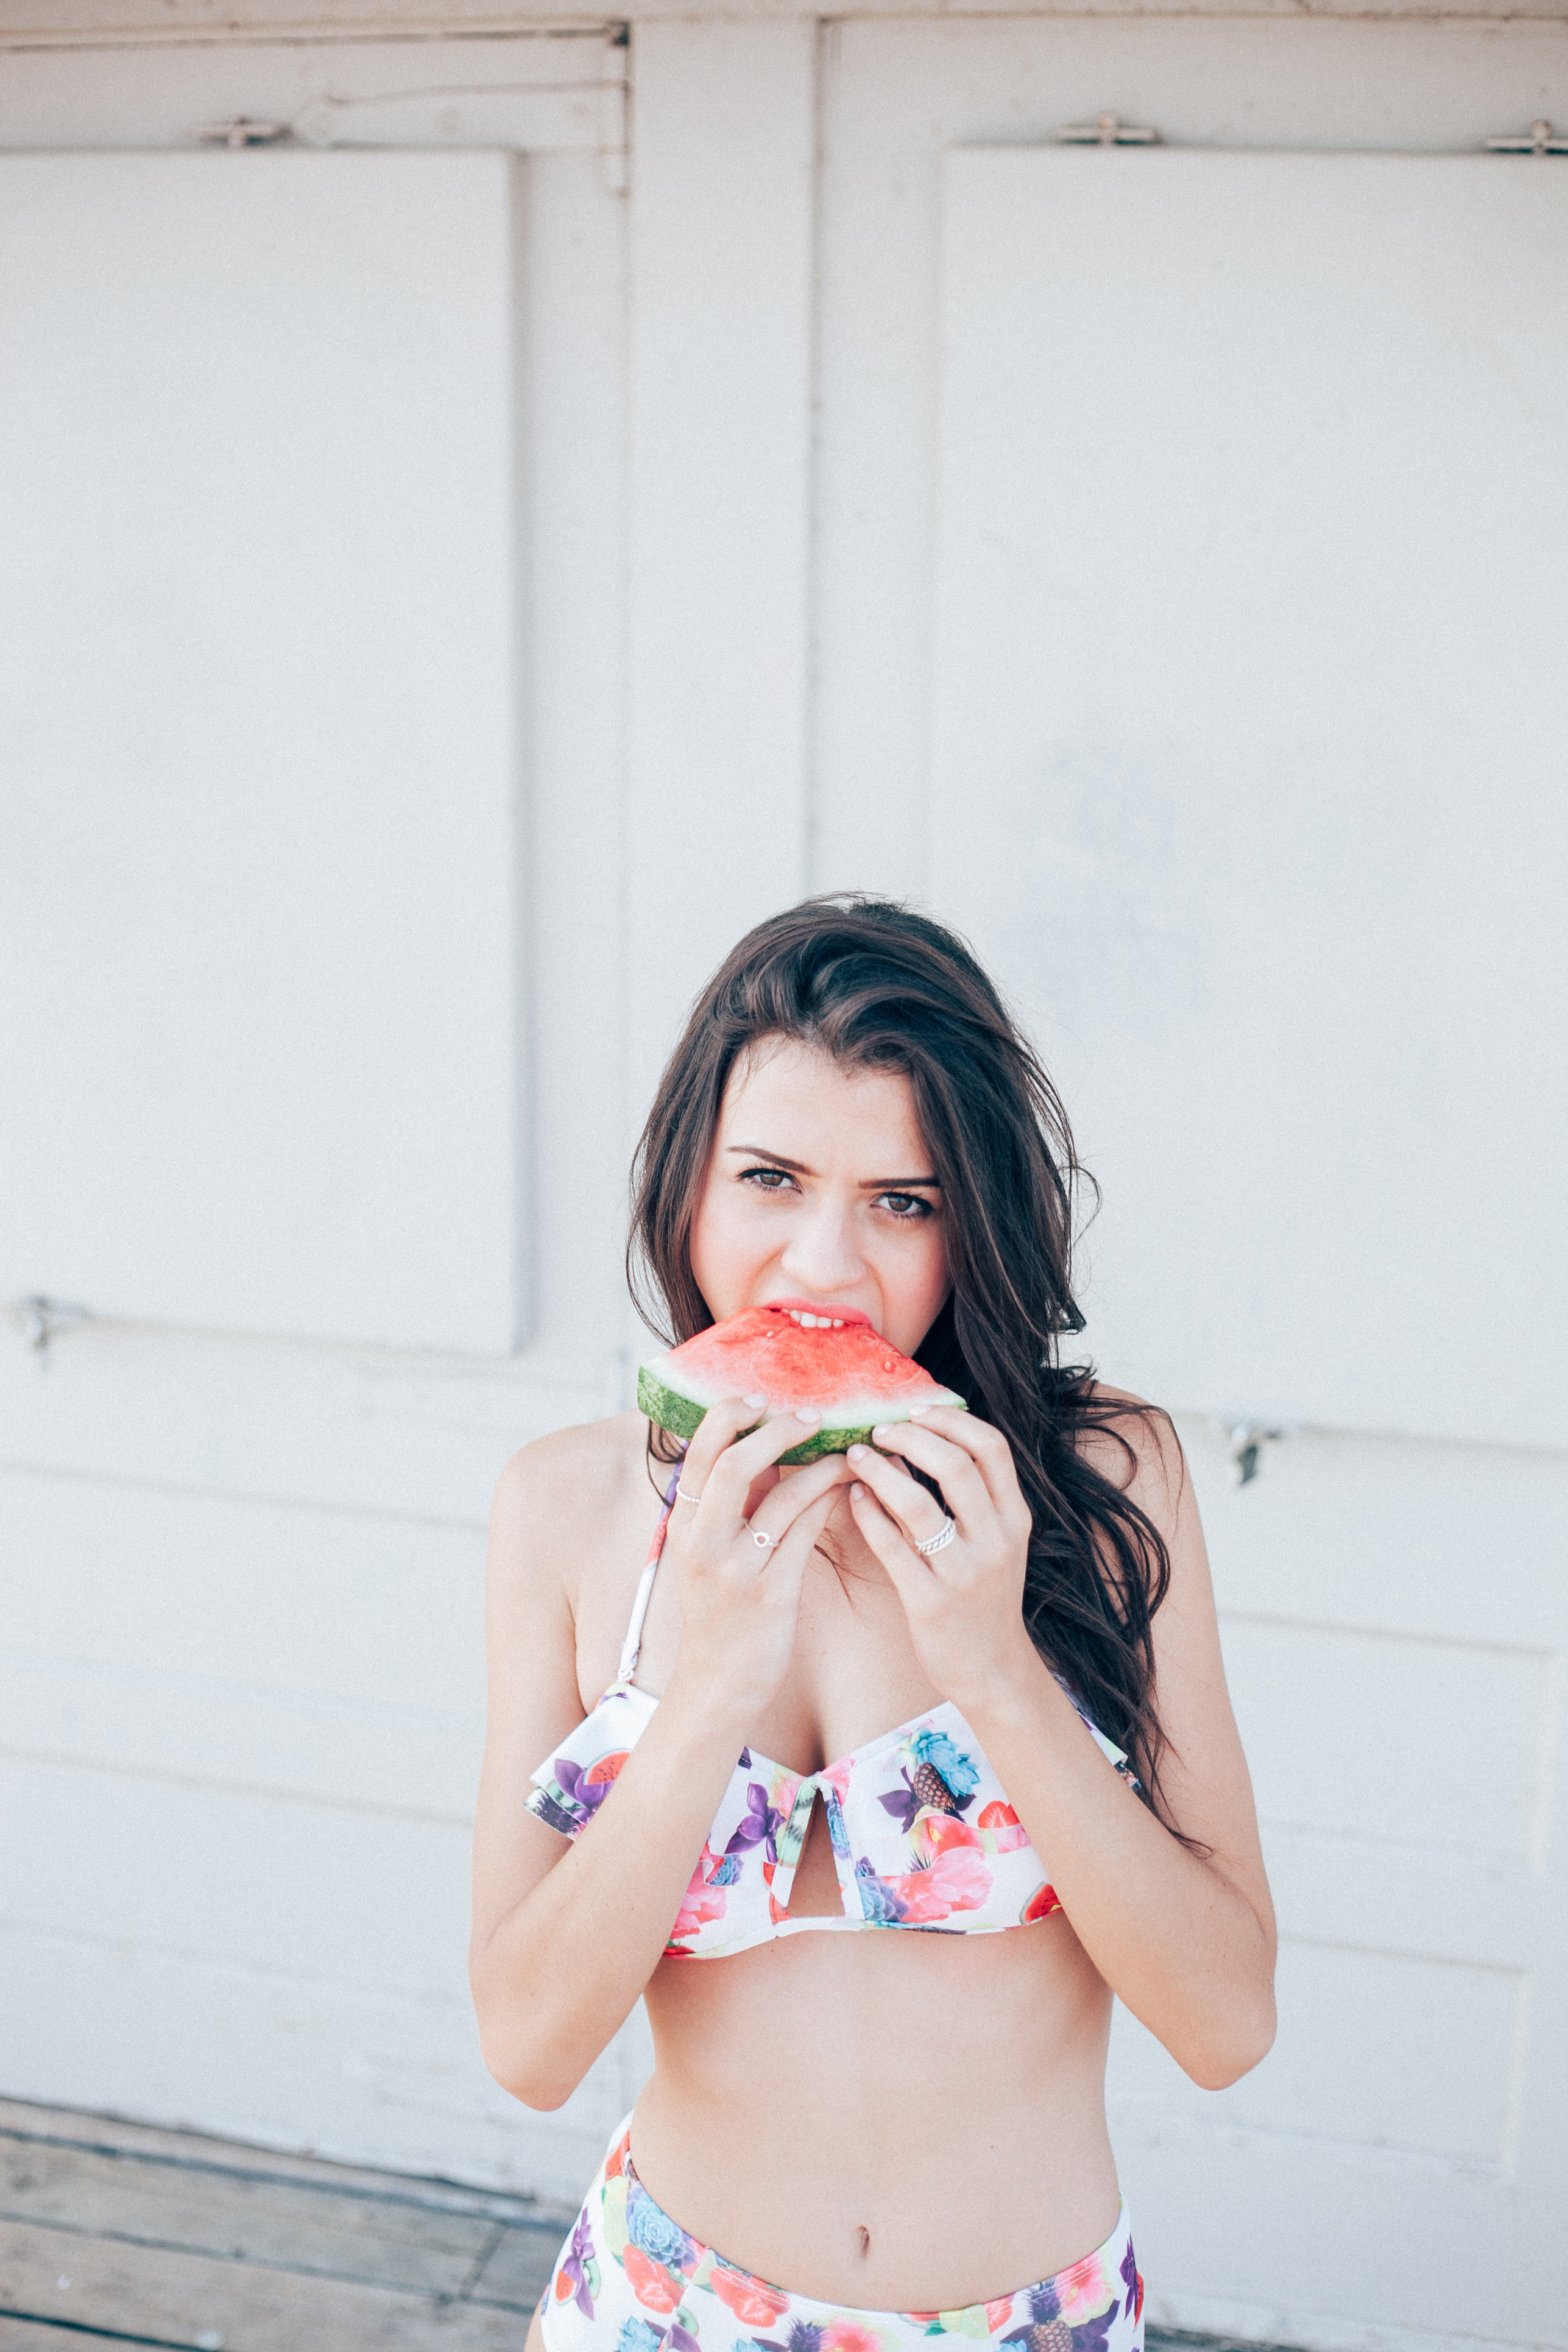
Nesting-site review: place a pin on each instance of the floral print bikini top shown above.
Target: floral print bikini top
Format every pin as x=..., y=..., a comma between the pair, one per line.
x=922, y=1836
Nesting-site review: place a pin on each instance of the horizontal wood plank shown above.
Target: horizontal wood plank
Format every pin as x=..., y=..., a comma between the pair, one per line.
x=200, y=2303
x=376, y=2239
x=23, y=2119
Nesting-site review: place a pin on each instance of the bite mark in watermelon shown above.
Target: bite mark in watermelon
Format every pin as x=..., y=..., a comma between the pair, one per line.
x=855, y=1379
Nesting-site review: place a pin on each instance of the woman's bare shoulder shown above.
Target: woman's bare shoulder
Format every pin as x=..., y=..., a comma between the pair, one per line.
x=563, y=1496
x=1134, y=1444
x=592, y=1460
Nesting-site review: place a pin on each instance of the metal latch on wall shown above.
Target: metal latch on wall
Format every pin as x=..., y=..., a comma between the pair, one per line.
x=42, y=1320
x=1244, y=1439
x=1105, y=130
x=1538, y=139
x=242, y=132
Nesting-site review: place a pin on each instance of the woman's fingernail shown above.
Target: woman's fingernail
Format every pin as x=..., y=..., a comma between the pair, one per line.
x=881, y=1432
x=856, y=1491
x=807, y=1412
x=917, y=1412
x=857, y=1454
x=756, y=1399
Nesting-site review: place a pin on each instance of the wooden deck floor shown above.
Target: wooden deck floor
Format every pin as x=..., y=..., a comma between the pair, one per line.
x=112, y=2233
x=115, y=2234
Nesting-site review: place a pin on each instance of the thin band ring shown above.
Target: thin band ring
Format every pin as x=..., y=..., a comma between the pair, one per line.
x=762, y=1541
x=940, y=1541
x=682, y=1497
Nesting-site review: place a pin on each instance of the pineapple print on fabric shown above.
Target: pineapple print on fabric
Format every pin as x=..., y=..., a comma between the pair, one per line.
x=949, y=1871
x=1091, y=2306
x=937, y=1776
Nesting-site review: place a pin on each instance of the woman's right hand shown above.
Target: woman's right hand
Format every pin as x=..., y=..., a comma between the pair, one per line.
x=567, y=1934
x=739, y=1553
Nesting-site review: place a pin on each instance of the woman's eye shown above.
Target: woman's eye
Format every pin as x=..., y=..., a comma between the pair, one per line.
x=905, y=1205
x=766, y=1180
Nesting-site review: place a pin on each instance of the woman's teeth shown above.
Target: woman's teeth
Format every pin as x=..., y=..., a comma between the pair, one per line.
x=815, y=1322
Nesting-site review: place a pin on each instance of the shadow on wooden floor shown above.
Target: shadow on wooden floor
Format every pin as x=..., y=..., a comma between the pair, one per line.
x=115, y=2234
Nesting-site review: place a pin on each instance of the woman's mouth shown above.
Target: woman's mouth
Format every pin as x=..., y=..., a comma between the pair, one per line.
x=829, y=1316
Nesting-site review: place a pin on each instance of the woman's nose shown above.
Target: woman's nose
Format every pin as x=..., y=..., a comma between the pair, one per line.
x=822, y=1254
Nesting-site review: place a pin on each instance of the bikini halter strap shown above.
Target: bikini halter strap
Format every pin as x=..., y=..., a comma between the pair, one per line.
x=631, y=1648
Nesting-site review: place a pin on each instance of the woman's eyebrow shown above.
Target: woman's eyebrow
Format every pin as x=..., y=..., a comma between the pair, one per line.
x=773, y=1159
x=870, y=1184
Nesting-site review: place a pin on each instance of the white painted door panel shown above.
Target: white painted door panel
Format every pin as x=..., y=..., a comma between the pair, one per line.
x=1251, y=715
x=258, y=683
x=240, y=1663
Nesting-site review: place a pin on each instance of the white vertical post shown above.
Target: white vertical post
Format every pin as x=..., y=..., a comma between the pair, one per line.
x=723, y=147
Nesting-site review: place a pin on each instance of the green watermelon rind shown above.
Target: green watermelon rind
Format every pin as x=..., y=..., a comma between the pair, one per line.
x=666, y=1408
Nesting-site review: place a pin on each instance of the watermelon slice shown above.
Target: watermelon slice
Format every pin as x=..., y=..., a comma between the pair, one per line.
x=853, y=1376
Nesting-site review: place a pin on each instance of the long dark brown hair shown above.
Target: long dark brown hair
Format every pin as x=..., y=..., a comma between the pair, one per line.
x=879, y=987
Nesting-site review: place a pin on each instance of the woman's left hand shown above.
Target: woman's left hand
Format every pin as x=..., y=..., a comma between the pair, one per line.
x=965, y=1603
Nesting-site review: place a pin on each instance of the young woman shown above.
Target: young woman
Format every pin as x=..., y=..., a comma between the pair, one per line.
x=988, y=1774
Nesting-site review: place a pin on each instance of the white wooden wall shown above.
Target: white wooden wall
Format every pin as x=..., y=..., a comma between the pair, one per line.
x=244, y=1506
x=312, y=686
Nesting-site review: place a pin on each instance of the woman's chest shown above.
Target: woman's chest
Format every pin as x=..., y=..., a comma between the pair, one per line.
x=852, y=1673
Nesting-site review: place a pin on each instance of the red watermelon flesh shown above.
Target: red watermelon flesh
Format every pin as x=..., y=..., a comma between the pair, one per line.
x=853, y=1376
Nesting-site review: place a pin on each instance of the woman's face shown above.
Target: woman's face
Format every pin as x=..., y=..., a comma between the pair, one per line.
x=819, y=1196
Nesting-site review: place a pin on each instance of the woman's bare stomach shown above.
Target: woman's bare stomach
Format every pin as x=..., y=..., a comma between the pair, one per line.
x=891, y=2121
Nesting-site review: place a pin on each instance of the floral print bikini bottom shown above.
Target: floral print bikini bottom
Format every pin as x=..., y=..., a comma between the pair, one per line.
x=628, y=2279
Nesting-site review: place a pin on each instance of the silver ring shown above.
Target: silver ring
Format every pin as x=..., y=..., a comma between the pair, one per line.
x=762, y=1541
x=682, y=1497
x=940, y=1541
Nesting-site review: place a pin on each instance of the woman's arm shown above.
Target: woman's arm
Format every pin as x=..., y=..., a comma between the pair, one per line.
x=1186, y=1942
x=566, y=1935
